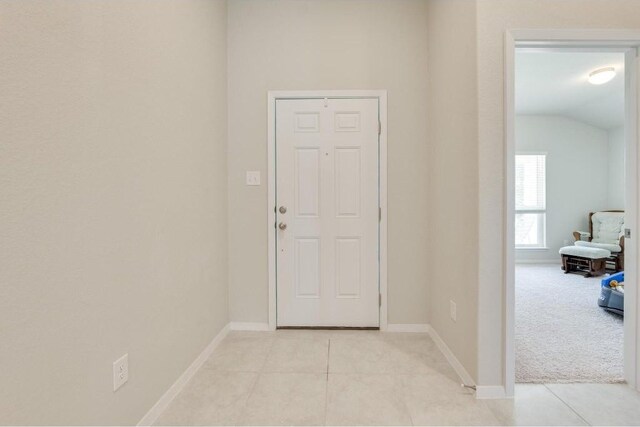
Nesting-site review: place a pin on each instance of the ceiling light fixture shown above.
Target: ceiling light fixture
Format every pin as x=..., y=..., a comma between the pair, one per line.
x=602, y=75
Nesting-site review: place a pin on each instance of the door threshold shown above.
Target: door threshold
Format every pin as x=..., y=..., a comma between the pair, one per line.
x=333, y=328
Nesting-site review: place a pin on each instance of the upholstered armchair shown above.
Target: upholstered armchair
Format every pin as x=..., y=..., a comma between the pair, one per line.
x=606, y=231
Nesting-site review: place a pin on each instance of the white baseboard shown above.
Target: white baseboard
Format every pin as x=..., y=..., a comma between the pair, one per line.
x=248, y=326
x=164, y=401
x=490, y=392
x=407, y=327
x=451, y=358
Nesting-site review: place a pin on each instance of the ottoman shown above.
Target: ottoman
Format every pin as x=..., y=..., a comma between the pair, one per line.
x=584, y=260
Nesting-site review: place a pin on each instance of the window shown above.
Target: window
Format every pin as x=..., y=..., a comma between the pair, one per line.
x=531, y=210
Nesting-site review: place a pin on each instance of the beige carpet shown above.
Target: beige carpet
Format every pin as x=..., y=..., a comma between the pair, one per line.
x=561, y=333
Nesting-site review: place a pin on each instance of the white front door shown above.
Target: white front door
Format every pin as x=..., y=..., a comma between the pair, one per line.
x=327, y=212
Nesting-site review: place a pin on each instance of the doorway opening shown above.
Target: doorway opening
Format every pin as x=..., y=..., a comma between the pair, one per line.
x=569, y=215
x=555, y=328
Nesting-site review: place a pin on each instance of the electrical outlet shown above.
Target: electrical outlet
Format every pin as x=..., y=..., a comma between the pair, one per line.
x=120, y=372
x=453, y=310
x=253, y=177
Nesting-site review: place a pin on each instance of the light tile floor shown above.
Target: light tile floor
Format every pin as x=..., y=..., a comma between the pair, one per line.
x=293, y=377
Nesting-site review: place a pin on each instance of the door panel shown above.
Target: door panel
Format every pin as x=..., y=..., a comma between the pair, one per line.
x=348, y=267
x=347, y=191
x=307, y=181
x=327, y=184
x=307, y=267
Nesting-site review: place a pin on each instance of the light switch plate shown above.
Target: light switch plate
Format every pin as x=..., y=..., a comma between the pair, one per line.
x=253, y=177
x=120, y=372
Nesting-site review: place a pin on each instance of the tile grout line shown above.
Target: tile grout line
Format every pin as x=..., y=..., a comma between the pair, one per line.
x=404, y=403
x=246, y=400
x=567, y=405
x=326, y=390
x=254, y=385
x=328, y=355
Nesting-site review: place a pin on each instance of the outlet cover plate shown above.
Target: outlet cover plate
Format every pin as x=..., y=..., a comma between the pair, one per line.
x=120, y=372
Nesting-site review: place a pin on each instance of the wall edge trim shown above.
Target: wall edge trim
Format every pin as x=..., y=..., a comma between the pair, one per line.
x=465, y=377
x=158, y=408
x=408, y=327
x=490, y=392
x=249, y=326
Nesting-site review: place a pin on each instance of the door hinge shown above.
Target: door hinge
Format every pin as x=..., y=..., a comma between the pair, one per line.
x=379, y=127
x=379, y=300
x=627, y=233
x=379, y=214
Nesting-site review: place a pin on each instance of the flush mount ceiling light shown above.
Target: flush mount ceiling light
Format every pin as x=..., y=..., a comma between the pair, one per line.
x=602, y=75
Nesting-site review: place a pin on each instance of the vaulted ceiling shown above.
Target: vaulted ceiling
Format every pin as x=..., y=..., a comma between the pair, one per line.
x=555, y=83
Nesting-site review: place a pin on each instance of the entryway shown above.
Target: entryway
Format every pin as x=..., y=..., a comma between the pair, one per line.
x=326, y=226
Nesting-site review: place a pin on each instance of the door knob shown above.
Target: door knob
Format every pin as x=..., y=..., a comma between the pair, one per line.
x=283, y=209
x=282, y=226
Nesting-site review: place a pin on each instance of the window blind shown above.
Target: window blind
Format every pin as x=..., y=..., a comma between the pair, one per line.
x=530, y=182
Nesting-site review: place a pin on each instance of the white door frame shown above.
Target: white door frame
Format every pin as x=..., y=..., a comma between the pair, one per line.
x=273, y=96
x=621, y=40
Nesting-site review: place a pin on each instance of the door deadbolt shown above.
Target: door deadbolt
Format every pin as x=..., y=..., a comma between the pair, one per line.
x=282, y=226
x=283, y=210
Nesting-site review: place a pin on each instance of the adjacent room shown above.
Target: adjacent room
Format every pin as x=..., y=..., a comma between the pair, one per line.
x=570, y=209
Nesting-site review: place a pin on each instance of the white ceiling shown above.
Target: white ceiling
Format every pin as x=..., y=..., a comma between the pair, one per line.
x=556, y=83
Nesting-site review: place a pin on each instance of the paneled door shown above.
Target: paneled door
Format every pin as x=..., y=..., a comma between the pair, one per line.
x=327, y=212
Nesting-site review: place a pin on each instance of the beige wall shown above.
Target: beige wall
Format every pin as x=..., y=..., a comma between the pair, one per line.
x=113, y=202
x=453, y=174
x=616, y=168
x=328, y=44
x=494, y=18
